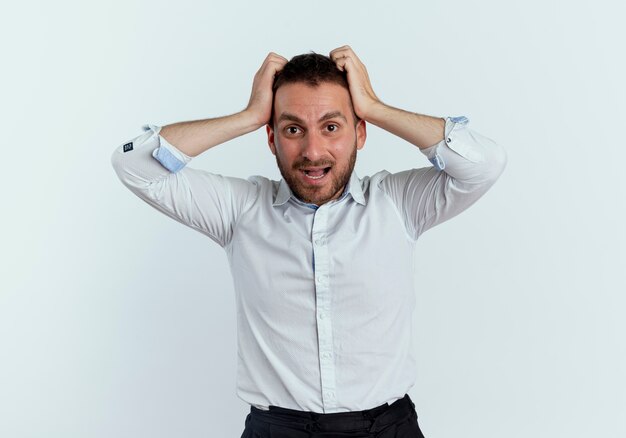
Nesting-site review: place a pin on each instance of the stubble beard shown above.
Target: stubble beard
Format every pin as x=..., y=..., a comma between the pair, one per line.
x=312, y=194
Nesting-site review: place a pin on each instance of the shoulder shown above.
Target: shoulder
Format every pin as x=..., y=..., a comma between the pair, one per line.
x=263, y=182
x=266, y=188
x=375, y=180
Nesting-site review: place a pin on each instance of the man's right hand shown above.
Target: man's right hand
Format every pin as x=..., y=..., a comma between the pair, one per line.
x=260, y=104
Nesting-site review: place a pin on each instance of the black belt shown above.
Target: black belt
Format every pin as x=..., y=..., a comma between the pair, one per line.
x=368, y=421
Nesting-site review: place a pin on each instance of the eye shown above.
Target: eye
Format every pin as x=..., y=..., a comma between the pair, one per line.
x=292, y=130
x=332, y=127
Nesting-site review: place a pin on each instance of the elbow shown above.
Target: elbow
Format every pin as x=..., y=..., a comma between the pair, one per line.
x=489, y=169
x=129, y=174
x=493, y=165
x=495, y=160
x=499, y=161
x=117, y=162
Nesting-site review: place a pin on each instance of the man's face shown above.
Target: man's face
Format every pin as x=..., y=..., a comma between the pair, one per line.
x=314, y=139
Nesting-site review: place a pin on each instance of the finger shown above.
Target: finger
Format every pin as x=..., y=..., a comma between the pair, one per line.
x=350, y=65
x=273, y=65
x=277, y=66
x=338, y=55
x=338, y=49
x=280, y=61
x=276, y=56
x=268, y=72
x=341, y=58
x=341, y=52
x=273, y=58
x=341, y=63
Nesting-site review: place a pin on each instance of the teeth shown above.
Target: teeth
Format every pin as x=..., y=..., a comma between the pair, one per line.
x=306, y=172
x=316, y=177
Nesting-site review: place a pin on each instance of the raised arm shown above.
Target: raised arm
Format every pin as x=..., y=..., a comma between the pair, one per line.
x=420, y=130
x=195, y=137
x=465, y=163
x=153, y=165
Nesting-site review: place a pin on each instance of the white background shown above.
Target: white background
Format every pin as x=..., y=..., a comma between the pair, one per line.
x=116, y=321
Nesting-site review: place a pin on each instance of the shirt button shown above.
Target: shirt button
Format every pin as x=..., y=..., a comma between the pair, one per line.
x=319, y=242
x=322, y=315
x=321, y=279
x=327, y=355
x=448, y=140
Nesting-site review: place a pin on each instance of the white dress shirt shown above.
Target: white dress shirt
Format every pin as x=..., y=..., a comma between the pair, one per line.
x=324, y=295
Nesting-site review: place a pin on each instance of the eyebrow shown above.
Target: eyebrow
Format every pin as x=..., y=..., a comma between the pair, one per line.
x=327, y=116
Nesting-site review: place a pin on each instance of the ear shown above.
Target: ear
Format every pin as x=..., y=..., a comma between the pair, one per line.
x=361, y=134
x=270, y=138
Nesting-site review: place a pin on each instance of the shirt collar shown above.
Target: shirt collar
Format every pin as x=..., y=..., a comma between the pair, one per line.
x=353, y=188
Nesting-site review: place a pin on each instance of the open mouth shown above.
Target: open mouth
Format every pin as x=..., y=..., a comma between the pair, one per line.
x=316, y=174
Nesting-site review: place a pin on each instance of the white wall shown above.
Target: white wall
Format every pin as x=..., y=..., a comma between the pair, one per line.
x=117, y=321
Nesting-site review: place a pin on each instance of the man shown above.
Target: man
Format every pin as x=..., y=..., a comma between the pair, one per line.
x=322, y=261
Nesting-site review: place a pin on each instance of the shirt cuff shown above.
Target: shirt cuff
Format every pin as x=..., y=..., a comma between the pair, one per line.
x=170, y=157
x=454, y=139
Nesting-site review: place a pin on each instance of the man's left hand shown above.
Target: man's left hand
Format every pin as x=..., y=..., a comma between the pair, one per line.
x=363, y=97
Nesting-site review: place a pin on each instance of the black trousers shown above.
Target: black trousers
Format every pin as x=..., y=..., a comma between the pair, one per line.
x=396, y=420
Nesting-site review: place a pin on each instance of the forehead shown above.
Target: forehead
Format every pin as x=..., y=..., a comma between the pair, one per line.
x=309, y=102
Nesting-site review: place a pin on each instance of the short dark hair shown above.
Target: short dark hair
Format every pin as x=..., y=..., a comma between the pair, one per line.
x=311, y=69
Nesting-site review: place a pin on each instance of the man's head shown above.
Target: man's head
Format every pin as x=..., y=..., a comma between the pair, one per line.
x=314, y=132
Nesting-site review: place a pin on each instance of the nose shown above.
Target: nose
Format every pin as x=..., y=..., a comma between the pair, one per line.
x=313, y=146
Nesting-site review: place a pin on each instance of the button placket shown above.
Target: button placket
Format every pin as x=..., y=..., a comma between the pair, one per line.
x=323, y=306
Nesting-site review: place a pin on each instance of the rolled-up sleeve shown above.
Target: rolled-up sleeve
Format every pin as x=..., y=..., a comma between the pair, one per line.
x=465, y=164
x=157, y=172
x=170, y=157
x=466, y=154
x=147, y=158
